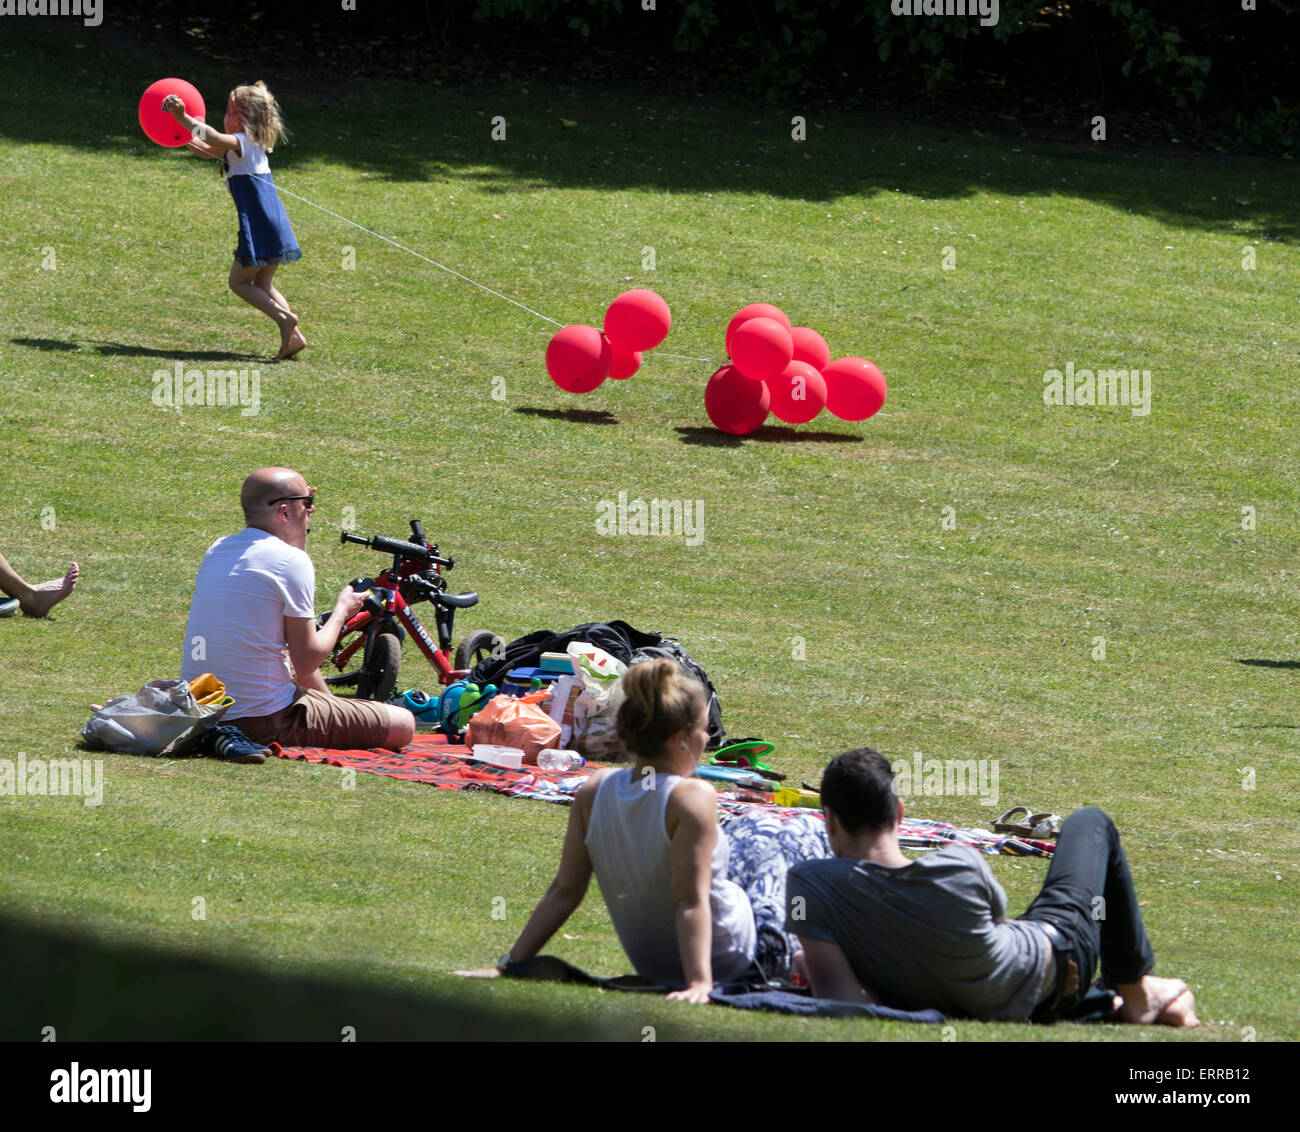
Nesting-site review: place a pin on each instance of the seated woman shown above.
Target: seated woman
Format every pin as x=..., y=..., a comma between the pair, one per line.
x=690, y=903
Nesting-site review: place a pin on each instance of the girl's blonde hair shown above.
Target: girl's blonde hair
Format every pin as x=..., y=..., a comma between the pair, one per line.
x=659, y=703
x=260, y=114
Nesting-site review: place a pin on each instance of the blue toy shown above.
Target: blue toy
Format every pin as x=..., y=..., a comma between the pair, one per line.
x=452, y=710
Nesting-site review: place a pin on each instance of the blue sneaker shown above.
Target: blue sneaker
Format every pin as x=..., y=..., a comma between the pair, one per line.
x=419, y=704
x=8, y=606
x=227, y=743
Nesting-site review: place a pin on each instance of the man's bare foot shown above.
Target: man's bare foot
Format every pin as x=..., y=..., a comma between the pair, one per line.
x=46, y=595
x=291, y=344
x=1158, y=1002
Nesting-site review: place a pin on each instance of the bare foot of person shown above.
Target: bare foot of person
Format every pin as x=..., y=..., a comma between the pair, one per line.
x=1159, y=1002
x=46, y=595
x=291, y=338
x=292, y=345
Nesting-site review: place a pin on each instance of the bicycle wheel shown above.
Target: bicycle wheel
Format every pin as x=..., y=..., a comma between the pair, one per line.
x=379, y=672
x=482, y=644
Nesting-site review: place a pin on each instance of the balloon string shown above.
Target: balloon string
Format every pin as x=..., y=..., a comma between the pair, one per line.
x=452, y=271
x=443, y=266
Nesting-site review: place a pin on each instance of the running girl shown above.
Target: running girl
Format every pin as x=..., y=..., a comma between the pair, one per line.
x=266, y=239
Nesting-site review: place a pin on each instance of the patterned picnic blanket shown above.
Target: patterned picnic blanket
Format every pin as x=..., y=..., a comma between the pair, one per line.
x=448, y=766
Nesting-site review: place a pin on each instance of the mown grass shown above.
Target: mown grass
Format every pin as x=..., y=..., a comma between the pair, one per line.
x=973, y=642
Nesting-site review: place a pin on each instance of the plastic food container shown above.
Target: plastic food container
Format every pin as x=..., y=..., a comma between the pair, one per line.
x=512, y=758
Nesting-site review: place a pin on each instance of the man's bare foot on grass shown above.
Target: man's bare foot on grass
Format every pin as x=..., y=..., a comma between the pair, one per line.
x=1158, y=1002
x=44, y=596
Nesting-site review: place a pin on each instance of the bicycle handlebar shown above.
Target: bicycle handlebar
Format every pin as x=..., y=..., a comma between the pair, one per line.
x=398, y=546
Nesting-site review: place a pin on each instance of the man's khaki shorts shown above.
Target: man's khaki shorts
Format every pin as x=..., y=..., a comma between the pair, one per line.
x=318, y=719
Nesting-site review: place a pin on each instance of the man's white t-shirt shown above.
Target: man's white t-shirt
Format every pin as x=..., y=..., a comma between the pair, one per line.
x=247, y=585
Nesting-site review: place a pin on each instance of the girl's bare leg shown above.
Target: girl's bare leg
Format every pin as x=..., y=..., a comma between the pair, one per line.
x=295, y=341
x=37, y=600
x=243, y=283
x=265, y=278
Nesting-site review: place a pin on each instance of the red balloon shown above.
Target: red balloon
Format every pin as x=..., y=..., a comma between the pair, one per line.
x=157, y=123
x=855, y=388
x=637, y=320
x=754, y=310
x=761, y=348
x=810, y=347
x=734, y=403
x=623, y=363
x=578, y=358
x=798, y=393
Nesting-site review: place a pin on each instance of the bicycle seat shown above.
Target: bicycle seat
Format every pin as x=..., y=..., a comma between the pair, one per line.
x=458, y=601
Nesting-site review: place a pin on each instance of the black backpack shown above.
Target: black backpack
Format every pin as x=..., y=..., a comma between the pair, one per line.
x=617, y=638
x=669, y=648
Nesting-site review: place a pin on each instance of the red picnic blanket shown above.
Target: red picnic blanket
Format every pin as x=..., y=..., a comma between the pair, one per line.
x=450, y=766
x=430, y=759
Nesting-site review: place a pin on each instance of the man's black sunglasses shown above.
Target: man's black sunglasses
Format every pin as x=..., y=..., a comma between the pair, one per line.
x=310, y=500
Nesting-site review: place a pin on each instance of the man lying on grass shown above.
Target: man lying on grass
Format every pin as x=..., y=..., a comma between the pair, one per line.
x=879, y=927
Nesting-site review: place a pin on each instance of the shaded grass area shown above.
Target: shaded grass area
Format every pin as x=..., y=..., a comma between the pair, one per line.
x=829, y=601
x=634, y=137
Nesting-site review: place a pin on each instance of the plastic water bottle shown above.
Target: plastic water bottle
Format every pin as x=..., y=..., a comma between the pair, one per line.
x=552, y=758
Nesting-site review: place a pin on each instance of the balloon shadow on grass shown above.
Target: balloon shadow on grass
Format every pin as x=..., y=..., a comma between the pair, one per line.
x=580, y=416
x=122, y=350
x=1258, y=663
x=1265, y=726
x=768, y=434
x=45, y=344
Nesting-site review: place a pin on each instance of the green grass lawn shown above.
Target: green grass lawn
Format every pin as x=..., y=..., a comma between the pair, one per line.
x=829, y=601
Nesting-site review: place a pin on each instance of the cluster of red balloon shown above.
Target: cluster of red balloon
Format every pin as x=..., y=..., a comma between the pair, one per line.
x=786, y=370
x=580, y=357
x=157, y=123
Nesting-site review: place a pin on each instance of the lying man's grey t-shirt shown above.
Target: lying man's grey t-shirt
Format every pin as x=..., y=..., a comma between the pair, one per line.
x=925, y=935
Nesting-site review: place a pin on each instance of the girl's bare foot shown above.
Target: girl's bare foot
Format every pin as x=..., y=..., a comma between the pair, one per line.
x=288, y=324
x=1159, y=1002
x=46, y=595
x=291, y=343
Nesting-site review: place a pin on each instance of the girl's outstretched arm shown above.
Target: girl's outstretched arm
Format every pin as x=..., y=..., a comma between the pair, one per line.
x=203, y=149
x=201, y=132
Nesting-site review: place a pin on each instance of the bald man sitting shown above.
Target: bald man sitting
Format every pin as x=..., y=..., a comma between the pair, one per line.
x=253, y=624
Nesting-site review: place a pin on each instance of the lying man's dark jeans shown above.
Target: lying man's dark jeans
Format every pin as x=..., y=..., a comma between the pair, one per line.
x=1089, y=864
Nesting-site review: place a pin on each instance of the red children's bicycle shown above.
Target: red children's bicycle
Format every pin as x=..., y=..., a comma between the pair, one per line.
x=369, y=649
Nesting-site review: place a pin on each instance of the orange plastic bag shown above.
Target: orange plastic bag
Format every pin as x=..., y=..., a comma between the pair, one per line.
x=508, y=722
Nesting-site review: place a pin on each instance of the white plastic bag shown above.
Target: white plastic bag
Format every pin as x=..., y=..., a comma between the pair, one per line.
x=595, y=712
x=162, y=718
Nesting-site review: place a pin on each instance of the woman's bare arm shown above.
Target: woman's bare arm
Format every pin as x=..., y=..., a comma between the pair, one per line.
x=691, y=820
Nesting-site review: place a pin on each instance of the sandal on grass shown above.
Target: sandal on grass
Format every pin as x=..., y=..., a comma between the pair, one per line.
x=1040, y=827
